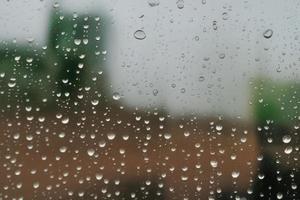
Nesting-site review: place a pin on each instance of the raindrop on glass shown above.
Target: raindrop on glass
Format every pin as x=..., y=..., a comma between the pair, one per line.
x=153, y=3
x=116, y=96
x=268, y=33
x=180, y=4
x=139, y=35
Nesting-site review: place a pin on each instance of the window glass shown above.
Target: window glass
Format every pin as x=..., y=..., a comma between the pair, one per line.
x=149, y=99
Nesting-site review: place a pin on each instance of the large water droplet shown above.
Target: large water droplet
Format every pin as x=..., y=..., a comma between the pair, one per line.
x=155, y=92
x=286, y=139
x=139, y=34
x=63, y=149
x=91, y=152
x=219, y=127
x=11, y=84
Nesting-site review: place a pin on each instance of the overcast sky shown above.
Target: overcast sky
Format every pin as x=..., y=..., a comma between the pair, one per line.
x=187, y=62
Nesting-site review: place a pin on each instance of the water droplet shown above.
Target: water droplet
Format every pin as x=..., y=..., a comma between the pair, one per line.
x=91, y=152
x=167, y=136
x=99, y=176
x=219, y=127
x=116, y=96
x=286, y=139
x=288, y=150
x=102, y=143
x=77, y=41
x=153, y=3
x=29, y=60
x=215, y=27
x=11, y=84
x=122, y=151
x=268, y=33
x=213, y=163
x=80, y=65
x=222, y=55
x=56, y=5
x=85, y=41
x=279, y=195
x=95, y=102
x=63, y=149
x=111, y=136
x=225, y=16
x=180, y=4
x=184, y=178
x=61, y=135
x=201, y=78
x=155, y=92
x=186, y=134
x=17, y=58
x=139, y=35
x=16, y=136
x=36, y=185
x=235, y=174
x=65, y=120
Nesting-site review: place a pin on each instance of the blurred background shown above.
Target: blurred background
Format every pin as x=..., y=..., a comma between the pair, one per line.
x=149, y=99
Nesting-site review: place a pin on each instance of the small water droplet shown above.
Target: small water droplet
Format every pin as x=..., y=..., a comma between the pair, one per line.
x=201, y=78
x=155, y=92
x=219, y=127
x=95, y=102
x=65, y=120
x=116, y=96
x=268, y=33
x=99, y=176
x=279, y=195
x=235, y=174
x=222, y=55
x=63, y=149
x=167, y=136
x=17, y=58
x=56, y=5
x=36, y=185
x=286, y=139
x=111, y=136
x=77, y=41
x=225, y=16
x=215, y=26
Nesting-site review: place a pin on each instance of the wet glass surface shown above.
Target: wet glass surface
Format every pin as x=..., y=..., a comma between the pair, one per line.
x=149, y=99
